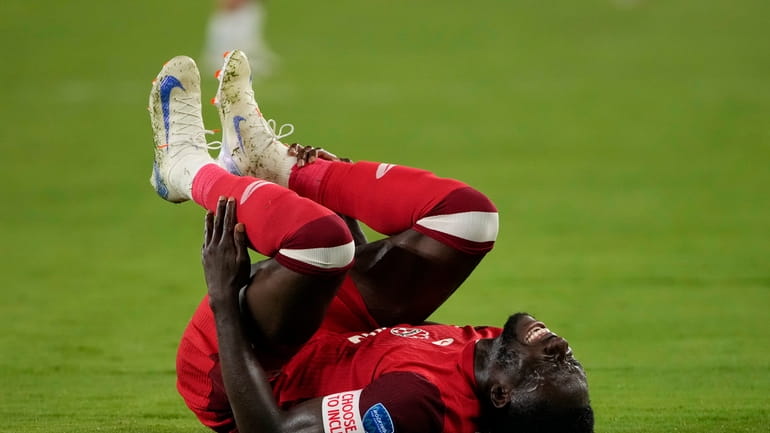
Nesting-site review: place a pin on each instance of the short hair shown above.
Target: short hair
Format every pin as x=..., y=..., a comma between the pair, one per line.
x=540, y=418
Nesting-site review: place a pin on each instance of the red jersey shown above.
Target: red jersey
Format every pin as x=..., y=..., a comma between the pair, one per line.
x=373, y=380
x=442, y=355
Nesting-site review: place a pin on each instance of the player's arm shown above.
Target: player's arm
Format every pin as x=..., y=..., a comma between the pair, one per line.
x=226, y=266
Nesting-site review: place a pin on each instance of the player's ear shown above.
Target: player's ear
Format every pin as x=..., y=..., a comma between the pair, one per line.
x=499, y=395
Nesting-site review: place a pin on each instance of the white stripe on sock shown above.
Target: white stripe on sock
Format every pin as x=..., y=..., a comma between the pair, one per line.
x=471, y=226
x=324, y=258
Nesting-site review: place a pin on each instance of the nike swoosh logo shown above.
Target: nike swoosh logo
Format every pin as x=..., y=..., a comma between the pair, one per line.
x=168, y=84
x=251, y=188
x=237, y=124
x=444, y=342
x=383, y=169
x=160, y=186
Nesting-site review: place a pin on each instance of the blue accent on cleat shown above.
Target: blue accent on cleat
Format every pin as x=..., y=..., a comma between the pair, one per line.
x=237, y=123
x=168, y=84
x=160, y=186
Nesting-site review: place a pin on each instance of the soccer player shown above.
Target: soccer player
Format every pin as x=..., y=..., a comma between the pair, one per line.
x=329, y=334
x=238, y=23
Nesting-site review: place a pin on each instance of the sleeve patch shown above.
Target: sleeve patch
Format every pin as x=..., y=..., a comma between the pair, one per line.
x=341, y=413
x=377, y=420
x=402, y=402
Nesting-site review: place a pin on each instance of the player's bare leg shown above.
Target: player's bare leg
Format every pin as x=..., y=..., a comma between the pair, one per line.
x=439, y=229
x=410, y=297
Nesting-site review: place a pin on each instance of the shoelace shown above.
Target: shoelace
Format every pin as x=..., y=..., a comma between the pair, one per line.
x=271, y=124
x=212, y=145
x=188, y=122
x=280, y=134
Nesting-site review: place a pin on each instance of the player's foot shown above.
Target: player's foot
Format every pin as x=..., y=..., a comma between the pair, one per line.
x=177, y=124
x=250, y=145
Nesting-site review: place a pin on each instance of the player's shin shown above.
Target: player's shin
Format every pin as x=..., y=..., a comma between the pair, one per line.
x=299, y=234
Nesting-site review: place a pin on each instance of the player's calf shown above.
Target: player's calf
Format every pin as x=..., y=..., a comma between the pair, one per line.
x=392, y=198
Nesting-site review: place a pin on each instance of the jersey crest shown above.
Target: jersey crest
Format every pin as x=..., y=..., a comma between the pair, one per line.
x=418, y=334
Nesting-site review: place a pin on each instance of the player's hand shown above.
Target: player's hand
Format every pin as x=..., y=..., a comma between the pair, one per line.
x=224, y=254
x=308, y=154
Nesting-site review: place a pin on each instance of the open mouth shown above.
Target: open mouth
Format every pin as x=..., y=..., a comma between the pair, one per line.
x=536, y=332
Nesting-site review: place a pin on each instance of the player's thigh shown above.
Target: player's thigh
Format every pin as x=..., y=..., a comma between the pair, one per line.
x=405, y=278
x=284, y=308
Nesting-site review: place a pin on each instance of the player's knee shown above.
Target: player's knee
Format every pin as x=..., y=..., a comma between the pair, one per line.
x=323, y=246
x=465, y=219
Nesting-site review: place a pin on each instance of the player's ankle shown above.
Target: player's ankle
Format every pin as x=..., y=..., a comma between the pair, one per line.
x=306, y=180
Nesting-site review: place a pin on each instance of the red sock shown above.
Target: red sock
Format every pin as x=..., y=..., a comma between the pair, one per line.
x=391, y=198
x=299, y=233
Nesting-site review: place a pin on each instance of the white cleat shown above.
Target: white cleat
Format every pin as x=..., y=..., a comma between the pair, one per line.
x=177, y=124
x=250, y=145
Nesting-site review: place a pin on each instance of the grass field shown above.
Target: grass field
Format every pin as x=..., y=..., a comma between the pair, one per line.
x=626, y=144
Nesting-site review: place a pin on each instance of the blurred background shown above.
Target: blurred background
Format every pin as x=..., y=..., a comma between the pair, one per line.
x=626, y=144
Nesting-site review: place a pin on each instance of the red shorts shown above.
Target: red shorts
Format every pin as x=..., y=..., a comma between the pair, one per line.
x=199, y=378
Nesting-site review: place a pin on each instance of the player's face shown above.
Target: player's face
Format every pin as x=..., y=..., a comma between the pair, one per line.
x=540, y=364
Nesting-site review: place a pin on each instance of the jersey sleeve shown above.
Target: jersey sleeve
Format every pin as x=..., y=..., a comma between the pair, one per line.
x=398, y=402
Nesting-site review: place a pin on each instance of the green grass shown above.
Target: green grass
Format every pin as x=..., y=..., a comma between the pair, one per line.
x=627, y=148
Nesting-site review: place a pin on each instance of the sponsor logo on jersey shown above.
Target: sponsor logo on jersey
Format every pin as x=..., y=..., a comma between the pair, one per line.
x=378, y=420
x=341, y=413
x=419, y=334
